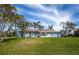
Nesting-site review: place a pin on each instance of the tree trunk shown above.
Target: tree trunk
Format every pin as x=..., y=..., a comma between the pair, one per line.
x=2, y=36
x=1, y=39
x=22, y=33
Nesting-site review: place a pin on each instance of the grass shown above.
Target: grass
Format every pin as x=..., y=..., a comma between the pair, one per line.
x=40, y=46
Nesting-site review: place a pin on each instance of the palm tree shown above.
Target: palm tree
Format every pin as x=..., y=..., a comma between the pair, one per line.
x=50, y=27
x=34, y=24
x=41, y=27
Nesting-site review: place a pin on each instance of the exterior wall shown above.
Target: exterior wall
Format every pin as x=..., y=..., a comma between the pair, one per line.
x=26, y=35
x=18, y=34
x=30, y=34
x=33, y=34
x=52, y=35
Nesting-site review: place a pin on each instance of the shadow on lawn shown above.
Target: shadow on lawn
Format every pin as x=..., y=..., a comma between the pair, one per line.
x=10, y=39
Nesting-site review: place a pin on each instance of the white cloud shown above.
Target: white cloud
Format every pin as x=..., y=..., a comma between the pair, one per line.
x=62, y=17
x=39, y=7
x=50, y=14
x=59, y=17
x=20, y=10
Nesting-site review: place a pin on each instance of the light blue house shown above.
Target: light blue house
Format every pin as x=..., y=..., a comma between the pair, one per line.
x=39, y=33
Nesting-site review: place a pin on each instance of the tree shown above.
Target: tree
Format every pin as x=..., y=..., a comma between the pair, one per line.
x=68, y=27
x=50, y=27
x=2, y=36
x=76, y=32
x=37, y=25
x=41, y=27
x=7, y=12
x=17, y=20
x=34, y=24
x=22, y=25
x=6, y=17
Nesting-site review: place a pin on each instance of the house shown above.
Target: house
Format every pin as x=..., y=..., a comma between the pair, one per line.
x=39, y=33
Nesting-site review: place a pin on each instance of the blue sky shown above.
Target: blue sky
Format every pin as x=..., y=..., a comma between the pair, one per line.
x=50, y=14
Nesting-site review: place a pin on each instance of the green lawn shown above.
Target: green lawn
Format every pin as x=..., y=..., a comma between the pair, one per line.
x=40, y=46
